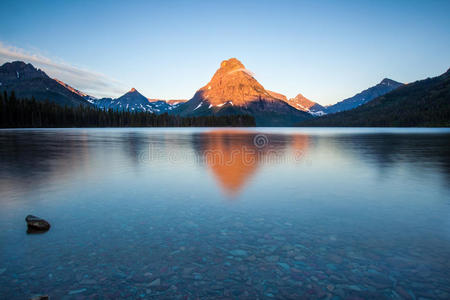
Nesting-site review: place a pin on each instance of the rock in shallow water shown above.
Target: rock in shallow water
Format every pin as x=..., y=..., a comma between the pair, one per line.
x=43, y=297
x=36, y=224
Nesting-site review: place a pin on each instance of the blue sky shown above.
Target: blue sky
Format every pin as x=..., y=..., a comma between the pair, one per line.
x=326, y=50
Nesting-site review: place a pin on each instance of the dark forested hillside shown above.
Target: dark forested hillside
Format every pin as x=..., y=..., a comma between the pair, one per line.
x=422, y=103
x=25, y=113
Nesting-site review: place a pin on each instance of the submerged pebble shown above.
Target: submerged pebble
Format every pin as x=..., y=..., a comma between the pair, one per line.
x=74, y=292
x=155, y=282
x=239, y=252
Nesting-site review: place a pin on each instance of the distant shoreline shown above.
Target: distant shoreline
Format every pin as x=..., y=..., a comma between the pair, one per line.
x=254, y=127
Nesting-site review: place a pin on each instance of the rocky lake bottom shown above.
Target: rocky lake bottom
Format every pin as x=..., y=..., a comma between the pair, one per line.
x=226, y=214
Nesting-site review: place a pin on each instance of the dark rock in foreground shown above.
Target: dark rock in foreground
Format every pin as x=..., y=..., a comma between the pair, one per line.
x=44, y=297
x=36, y=224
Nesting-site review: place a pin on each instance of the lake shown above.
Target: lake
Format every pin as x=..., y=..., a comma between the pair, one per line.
x=210, y=213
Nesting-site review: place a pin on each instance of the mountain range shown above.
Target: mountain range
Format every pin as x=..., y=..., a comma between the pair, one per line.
x=29, y=82
x=421, y=103
x=135, y=101
x=233, y=90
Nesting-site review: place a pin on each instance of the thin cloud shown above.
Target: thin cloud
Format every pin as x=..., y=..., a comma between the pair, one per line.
x=91, y=83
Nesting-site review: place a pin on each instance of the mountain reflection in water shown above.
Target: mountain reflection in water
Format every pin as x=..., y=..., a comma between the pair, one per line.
x=234, y=156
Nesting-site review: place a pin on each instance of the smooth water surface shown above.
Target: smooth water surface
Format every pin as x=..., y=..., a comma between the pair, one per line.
x=226, y=213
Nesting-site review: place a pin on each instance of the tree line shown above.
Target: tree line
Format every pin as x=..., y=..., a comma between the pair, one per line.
x=29, y=113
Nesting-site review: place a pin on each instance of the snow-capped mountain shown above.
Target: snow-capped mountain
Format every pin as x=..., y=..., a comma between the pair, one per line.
x=172, y=102
x=233, y=90
x=302, y=103
x=384, y=87
x=135, y=101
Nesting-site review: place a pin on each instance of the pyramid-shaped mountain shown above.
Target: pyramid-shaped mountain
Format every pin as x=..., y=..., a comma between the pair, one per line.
x=130, y=101
x=26, y=81
x=132, y=98
x=234, y=90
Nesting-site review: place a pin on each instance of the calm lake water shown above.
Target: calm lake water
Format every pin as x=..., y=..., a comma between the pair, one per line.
x=226, y=213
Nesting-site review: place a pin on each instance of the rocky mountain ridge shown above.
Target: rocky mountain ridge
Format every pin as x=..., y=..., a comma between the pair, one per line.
x=234, y=90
